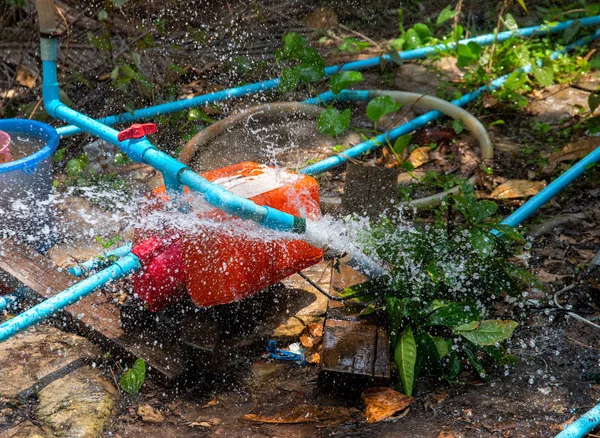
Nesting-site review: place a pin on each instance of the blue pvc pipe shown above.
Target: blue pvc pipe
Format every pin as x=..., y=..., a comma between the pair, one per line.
x=531, y=206
x=419, y=53
x=120, y=269
x=584, y=425
x=418, y=122
x=97, y=263
x=141, y=150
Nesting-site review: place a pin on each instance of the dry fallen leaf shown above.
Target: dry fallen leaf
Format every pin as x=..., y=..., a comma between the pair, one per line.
x=305, y=414
x=382, y=403
x=212, y=402
x=547, y=277
x=150, y=415
x=313, y=357
x=572, y=151
x=517, y=188
x=25, y=78
x=419, y=156
x=322, y=18
x=444, y=434
x=316, y=329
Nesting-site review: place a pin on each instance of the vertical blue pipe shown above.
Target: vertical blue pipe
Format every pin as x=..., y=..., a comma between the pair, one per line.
x=419, y=53
x=120, y=269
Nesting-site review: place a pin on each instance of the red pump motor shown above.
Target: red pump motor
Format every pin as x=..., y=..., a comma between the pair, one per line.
x=220, y=264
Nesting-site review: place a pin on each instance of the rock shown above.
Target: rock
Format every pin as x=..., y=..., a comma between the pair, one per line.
x=26, y=430
x=150, y=415
x=34, y=357
x=589, y=82
x=78, y=405
x=558, y=104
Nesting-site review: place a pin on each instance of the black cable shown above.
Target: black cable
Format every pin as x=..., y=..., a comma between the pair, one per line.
x=331, y=297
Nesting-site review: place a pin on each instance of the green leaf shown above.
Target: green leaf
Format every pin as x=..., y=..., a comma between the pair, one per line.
x=100, y=42
x=102, y=15
x=571, y=31
x=289, y=80
x=423, y=31
x=593, y=101
x=458, y=126
x=454, y=366
x=515, y=81
x=510, y=23
x=454, y=314
x=446, y=14
x=196, y=114
x=397, y=44
x=405, y=356
x=380, y=106
x=468, y=53
x=293, y=44
x=121, y=159
x=510, y=232
x=75, y=167
x=59, y=155
x=487, y=332
x=475, y=363
x=311, y=73
x=344, y=79
x=401, y=143
x=428, y=359
x=443, y=346
x=412, y=40
x=332, y=122
x=132, y=380
x=544, y=73
x=594, y=62
x=352, y=45
x=484, y=209
x=482, y=242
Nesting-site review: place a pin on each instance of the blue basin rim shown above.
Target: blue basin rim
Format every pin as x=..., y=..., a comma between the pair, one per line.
x=33, y=128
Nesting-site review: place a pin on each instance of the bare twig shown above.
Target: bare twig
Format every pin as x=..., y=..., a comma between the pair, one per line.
x=64, y=19
x=498, y=24
x=358, y=34
x=456, y=17
x=35, y=108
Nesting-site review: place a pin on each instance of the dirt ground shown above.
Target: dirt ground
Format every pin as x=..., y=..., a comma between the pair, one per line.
x=556, y=376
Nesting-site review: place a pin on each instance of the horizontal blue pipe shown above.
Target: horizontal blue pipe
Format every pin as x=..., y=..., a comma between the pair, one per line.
x=120, y=269
x=99, y=262
x=417, y=123
x=419, y=53
x=584, y=425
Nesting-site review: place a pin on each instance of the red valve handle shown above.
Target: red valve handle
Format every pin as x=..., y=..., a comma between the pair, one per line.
x=137, y=130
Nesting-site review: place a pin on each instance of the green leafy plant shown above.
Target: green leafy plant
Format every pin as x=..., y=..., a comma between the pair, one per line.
x=352, y=45
x=333, y=122
x=443, y=279
x=380, y=106
x=131, y=381
x=302, y=64
x=343, y=80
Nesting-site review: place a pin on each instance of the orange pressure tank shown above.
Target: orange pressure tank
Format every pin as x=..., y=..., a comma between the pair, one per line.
x=222, y=263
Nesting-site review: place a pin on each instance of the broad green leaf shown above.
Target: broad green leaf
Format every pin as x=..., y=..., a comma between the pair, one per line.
x=344, y=79
x=102, y=15
x=423, y=31
x=380, y=106
x=428, y=359
x=475, y=363
x=466, y=55
x=487, y=332
x=75, y=167
x=594, y=62
x=293, y=44
x=412, y=40
x=443, y=346
x=394, y=310
x=593, y=101
x=454, y=314
x=515, y=81
x=446, y=14
x=311, y=73
x=133, y=379
x=405, y=356
x=289, y=80
x=401, y=143
x=333, y=122
x=483, y=210
x=571, y=31
x=482, y=242
x=352, y=45
x=454, y=366
x=510, y=232
x=397, y=44
x=544, y=73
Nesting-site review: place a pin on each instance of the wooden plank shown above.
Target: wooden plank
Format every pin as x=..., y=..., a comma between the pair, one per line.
x=93, y=316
